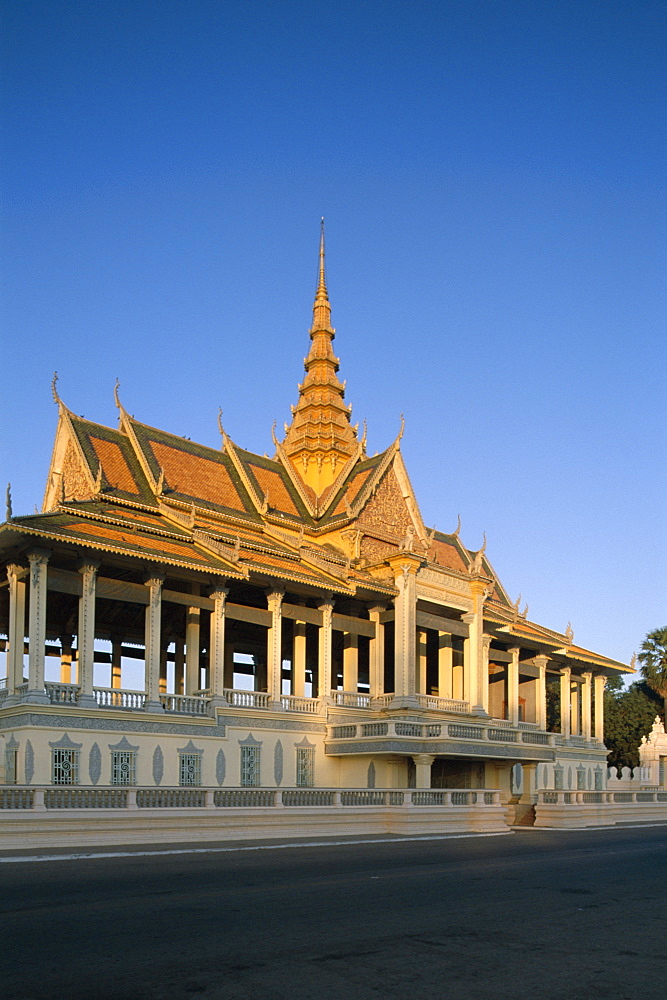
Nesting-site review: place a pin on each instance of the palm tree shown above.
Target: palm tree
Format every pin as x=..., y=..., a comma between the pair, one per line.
x=653, y=658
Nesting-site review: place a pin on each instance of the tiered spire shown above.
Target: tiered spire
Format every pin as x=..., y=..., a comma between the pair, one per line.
x=320, y=440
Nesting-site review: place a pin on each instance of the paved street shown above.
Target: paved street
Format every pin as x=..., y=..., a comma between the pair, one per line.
x=535, y=914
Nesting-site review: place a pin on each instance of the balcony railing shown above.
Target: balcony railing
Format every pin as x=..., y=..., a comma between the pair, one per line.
x=443, y=704
x=392, y=728
x=62, y=694
x=119, y=698
x=350, y=699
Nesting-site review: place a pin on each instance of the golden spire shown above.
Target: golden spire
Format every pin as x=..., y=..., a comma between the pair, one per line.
x=321, y=306
x=320, y=440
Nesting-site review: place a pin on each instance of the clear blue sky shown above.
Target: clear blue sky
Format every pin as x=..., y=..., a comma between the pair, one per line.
x=493, y=179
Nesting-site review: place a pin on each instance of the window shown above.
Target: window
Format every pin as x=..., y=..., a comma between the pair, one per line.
x=598, y=781
x=190, y=769
x=65, y=767
x=305, y=767
x=250, y=766
x=558, y=779
x=581, y=779
x=123, y=767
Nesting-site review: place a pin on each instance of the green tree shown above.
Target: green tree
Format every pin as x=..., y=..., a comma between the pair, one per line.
x=653, y=658
x=628, y=715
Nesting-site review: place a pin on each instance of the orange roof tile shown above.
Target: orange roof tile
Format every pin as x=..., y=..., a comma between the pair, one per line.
x=272, y=485
x=354, y=488
x=447, y=555
x=197, y=476
x=114, y=467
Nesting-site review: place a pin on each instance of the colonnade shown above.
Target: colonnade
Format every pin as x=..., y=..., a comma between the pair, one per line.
x=462, y=659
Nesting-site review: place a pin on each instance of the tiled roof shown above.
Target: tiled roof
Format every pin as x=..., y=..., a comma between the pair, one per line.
x=447, y=552
x=97, y=534
x=121, y=471
x=193, y=472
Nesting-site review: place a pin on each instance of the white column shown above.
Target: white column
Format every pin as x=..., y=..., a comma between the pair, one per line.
x=350, y=662
x=192, y=644
x=483, y=690
x=299, y=659
x=324, y=650
x=445, y=689
x=600, y=681
x=86, y=633
x=541, y=692
x=376, y=652
x=586, y=705
x=217, y=645
x=16, y=576
x=423, y=763
x=575, y=708
x=274, y=653
x=405, y=566
x=565, y=701
x=37, y=625
x=152, y=642
x=513, y=687
x=476, y=656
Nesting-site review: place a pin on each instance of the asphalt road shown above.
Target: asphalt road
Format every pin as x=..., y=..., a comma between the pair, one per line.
x=534, y=914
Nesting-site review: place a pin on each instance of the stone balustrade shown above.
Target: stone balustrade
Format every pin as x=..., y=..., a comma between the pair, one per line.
x=49, y=798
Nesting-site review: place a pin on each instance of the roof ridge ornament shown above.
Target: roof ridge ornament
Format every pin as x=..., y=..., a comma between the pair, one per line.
x=54, y=382
x=9, y=502
x=115, y=394
x=221, y=428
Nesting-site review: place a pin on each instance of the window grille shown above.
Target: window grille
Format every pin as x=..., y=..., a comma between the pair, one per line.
x=10, y=766
x=190, y=769
x=65, y=767
x=123, y=767
x=305, y=767
x=250, y=767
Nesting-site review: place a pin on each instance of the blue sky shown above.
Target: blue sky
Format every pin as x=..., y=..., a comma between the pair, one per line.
x=492, y=176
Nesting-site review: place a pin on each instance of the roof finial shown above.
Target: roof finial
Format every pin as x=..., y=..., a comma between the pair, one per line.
x=321, y=276
x=54, y=383
x=9, y=501
x=116, y=396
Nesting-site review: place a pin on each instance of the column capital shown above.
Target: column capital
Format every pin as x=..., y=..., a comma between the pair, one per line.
x=377, y=607
x=88, y=566
x=486, y=641
x=38, y=555
x=541, y=661
x=16, y=571
x=423, y=758
x=154, y=576
x=219, y=591
x=478, y=587
x=404, y=564
x=565, y=671
x=275, y=594
x=587, y=675
x=469, y=617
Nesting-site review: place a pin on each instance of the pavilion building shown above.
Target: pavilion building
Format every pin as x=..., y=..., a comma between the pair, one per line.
x=291, y=619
